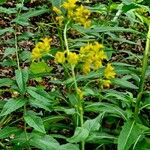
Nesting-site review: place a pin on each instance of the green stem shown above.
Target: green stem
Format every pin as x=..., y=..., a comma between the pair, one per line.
x=16, y=41
x=143, y=74
x=16, y=48
x=65, y=36
x=79, y=107
x=61, y=38
x=118, y=13
x=3, y=146
x=25, y=129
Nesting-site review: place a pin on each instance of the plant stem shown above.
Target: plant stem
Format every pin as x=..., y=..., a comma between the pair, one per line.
x=16, y=47
x=143, y=74
x=3, y=146
x=25, y=129
x=79, y=107
x=16, y=41
x=118, y=13
x=65, y=37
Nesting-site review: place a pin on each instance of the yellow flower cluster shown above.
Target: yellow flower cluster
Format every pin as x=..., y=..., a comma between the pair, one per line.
x=91, y=56
x=109, y=74
x=41, y=48
x=60, y=17
x=62, y=57
x=79, y=14
x=71, y=4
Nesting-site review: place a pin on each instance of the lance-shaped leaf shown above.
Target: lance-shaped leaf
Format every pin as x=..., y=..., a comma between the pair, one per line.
x=129, y=134
x=21, y=79
x=34, y=121
x=12, y=105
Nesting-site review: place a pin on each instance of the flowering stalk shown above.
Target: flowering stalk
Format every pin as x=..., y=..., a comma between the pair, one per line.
x=79, y=107
x=143, y=74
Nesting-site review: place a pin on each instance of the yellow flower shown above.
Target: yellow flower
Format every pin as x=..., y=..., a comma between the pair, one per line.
x=60, y=57
x=60, y=20
x=70, y=14
x=71, y=4
x=97, y=64
x=93, y=54
x=98, y=46
x=81, y=16
x=106, y=83
x=87, y=24
x=36, y=54
x=72, y=58
x=109, y=72
x=46, y=42
x=56, y=10
x=101, y=55
x=41, y=48
x=82, y=12
x=86, y=68
x=44, y=46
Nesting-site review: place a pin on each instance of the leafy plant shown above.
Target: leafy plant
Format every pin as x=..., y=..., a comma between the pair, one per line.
x=87, y=89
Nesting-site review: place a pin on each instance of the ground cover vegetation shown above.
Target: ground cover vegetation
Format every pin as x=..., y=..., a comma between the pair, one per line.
x=75, y=75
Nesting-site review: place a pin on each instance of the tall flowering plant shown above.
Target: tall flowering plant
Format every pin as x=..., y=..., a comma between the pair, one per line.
x=88, y=58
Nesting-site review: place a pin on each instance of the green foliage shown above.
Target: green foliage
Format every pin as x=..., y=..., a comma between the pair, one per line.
x=129, y=135
x=40, y=67
x=49, y=102
x=12, y=105
x=34, y=121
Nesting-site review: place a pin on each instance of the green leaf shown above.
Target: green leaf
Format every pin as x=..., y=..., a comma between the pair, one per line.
x=20, y=141
x=6, y=82
x=124, y=83
x=34, y=121
x=69, y=147
x=100, y=29
x=52, y=120
x=9, y=51
x=106, y=108
x=8, y=10
x=44, y=142
x=72, y=99
x=127, y=2
x=129, y=134
x=129, y=7
x=23, y=18
x=42, y=96
x=25, y=56
x=142, y=144
x=125, y=97
x=8, y=131
x=3, y=31
x=39, y=104
x=8, y=62
x=57, y=3
x=12, y=105
x=21, y=79
x=80, y=135
x=39, y=67
x=93, y=124
x=122, y=40
x=101, y=138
